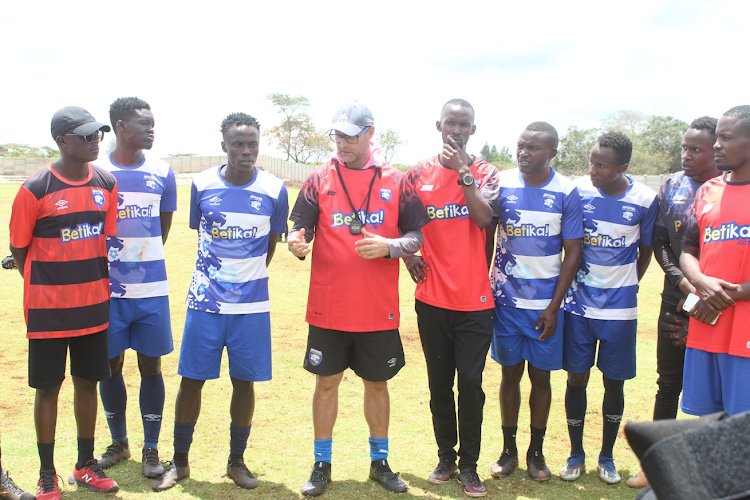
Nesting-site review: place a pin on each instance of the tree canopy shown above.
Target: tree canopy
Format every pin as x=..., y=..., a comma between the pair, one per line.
x=13, y=150
x=657, y=143
x=296, y=136
x=390, y=141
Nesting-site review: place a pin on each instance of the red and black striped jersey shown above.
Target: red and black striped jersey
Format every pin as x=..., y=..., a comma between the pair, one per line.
x=64, y=223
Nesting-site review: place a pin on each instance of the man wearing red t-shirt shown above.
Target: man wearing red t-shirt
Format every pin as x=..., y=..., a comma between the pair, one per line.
x=58, y=225
x=715, y=256
x=453, y=297
x=363, y=216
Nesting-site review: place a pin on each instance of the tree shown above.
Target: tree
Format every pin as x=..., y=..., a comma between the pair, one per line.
x=390, y=140
x=663, y=139
x=485, y=153
x=574, y=149
x=292, y=134
x=13, y=150
x=320, y=147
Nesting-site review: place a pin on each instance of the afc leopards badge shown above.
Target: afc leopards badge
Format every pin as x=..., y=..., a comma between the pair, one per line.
x=385, y=194
x=315, y=357
x=98, y=196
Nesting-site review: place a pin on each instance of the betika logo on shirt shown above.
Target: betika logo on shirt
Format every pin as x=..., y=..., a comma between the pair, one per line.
x=339, y=219
x=526, y=230
x=233, y=233
x=603, y=240
x=726, y=232
x=134, y=212
x=81, y=232
x=449, y=211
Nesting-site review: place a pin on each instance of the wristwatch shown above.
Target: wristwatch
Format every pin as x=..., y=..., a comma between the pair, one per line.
x=466, y=180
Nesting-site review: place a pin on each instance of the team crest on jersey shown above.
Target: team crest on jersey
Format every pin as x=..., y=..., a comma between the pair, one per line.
x=149, y=181
x=628, y=212
x=256, y=202
x=98, y=196
x=385, y=194
x=315, y=357
x=549, y=200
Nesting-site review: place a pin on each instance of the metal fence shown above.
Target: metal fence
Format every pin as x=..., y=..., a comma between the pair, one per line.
x=18, y=169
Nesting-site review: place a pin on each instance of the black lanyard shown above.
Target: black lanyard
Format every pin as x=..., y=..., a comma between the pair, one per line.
x=356, y=225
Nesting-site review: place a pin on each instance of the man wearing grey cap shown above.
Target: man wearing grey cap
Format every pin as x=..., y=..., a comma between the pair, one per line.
x=58, y=225
x=365, y=217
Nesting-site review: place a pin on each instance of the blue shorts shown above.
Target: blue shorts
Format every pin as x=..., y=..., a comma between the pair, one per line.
x=714, y=382
x=616, y=359
x=515, y=339
x=140, y=324
x=246, y=336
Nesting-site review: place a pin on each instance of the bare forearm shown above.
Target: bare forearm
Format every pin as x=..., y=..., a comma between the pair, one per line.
x=689, y=264
x=644, y=259
x=480, y=210
x=19, y=255
x=742, y=292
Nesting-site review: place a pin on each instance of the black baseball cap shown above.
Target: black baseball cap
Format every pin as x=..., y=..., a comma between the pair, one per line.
x=72, y=119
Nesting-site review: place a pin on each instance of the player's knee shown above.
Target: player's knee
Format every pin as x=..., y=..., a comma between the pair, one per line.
x=149, y=366
x=115, y=364
x=512, y=374
x=613, y=388
x=539, y=378
x=189, y=386
x=325, y=383
x=578, y=379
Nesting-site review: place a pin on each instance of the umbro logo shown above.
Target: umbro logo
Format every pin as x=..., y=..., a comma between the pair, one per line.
x=679, y=197
x=512, y=198
x=62, y=204
x=215, y=200
x=589, y=207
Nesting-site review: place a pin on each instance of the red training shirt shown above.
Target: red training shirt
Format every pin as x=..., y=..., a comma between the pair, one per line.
x=64, y=223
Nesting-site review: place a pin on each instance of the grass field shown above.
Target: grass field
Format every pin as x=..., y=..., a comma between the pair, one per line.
x=280, y=447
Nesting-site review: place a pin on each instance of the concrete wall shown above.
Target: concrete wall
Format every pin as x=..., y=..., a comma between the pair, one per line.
x=20, y=168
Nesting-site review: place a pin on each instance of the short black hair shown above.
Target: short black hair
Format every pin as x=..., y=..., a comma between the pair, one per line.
x=544, y=127
x=705, y=123
x=459, y=102
x=239, y=120
x=620, y=143
x=743, y=113
x=124, y=107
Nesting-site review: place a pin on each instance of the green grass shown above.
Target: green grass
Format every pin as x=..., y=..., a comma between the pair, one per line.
x=280, y=450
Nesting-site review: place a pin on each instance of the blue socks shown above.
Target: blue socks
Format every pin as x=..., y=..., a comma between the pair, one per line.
x=152, y=407
x=115, y=401
x=378, y=449
x=183, y=437
x=238, y=441
x=322, y=448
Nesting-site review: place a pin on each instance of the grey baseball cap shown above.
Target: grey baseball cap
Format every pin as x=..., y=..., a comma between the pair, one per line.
x=72, y=119
x=352, y=118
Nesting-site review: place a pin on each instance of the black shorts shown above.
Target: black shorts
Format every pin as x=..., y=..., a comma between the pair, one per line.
x=89, y=359
x=374, y=356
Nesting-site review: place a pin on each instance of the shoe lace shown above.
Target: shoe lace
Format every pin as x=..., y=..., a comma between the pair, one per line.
x=317, y=475
x=114, y=449
x=94, y=467
x=471, y=478
x=538, y=459
x=151, y=457
x=444, y=467
x=48, y=481
x=10, y=485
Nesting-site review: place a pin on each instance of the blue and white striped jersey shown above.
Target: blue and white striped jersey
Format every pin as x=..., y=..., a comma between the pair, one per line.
x=233, y=224
x=606, y=285
x=533, y=223
x=136, y=254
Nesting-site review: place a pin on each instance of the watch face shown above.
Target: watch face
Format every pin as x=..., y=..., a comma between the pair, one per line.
x=355, y=227
x=468, y=179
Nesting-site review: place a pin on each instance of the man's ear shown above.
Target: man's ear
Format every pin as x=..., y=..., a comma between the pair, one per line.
x=224, y=147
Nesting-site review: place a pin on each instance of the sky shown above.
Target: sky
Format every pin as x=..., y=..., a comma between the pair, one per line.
x=568, y=63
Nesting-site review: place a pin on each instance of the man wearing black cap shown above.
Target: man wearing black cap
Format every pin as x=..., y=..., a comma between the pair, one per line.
x=364, y=217
x=58, y=225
